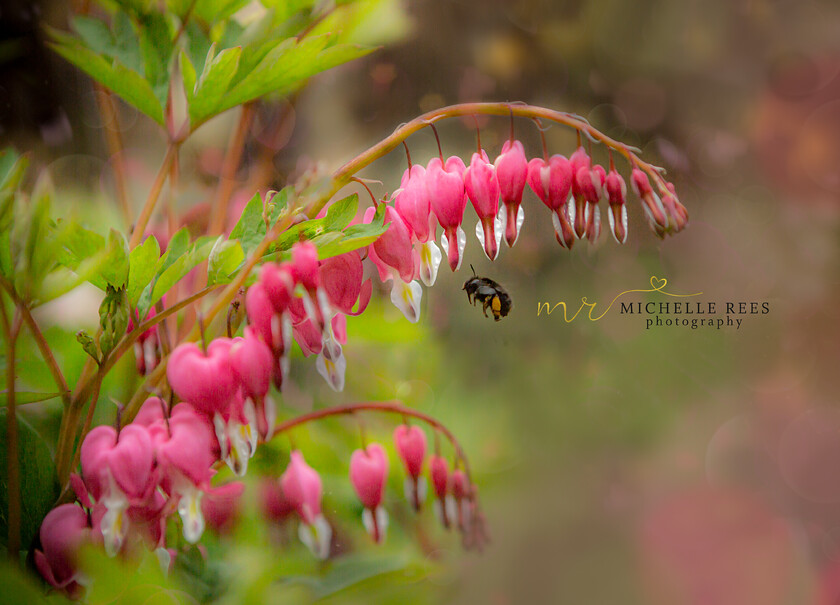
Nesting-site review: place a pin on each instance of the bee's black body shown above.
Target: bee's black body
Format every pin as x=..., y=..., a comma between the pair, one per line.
x=490, y=294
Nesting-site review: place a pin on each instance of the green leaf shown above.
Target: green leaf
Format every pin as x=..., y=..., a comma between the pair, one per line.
x=225, y=258
x=278, y=202
x=24, y=397
x=177, y=270
x=115, y=269
x=213, y=83
x=250, y=228
x=133, y=88
x=306, y=230
x=142, y=262
x=20, y=587
x=38, y=484
x=340, y=213
x=283, y=67
x=12, y=168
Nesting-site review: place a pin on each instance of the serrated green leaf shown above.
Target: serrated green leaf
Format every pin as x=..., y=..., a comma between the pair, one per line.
x=224, y=260
x=213, y=83
x=250, y=228
x=142, y=262
x=133, y=88
x=38, y=483
x=340, y=213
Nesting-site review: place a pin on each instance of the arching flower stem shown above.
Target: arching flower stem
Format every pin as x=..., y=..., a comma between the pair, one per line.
x=389, y=407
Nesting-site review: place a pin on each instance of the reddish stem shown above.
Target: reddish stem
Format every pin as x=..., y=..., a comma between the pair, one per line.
x=391, y=407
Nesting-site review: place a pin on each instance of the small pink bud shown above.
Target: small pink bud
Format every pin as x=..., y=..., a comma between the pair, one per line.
x=206, y=381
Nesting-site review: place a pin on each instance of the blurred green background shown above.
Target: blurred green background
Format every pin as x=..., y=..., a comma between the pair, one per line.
x=615, y=464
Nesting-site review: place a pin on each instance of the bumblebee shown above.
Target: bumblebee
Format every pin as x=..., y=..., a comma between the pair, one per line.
x=490, y=294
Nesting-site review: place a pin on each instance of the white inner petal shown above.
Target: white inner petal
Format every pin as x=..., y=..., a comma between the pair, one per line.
x=430, y=257
x=406, y=297
x=189, y=508
x=332, y=370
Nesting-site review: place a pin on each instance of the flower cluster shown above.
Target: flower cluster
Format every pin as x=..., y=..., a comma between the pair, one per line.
x=317, y=318
x=299, y=492
x=572, y=189
x=136, y=477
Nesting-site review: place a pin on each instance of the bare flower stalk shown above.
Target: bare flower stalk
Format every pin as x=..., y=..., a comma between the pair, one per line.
x=110, y=123
x=11, y=332
x=227, y=178
x=40, y=341
x=154, y=194
x=391, y=407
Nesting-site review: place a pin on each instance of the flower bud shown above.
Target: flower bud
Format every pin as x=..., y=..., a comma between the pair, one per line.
x=616, y=191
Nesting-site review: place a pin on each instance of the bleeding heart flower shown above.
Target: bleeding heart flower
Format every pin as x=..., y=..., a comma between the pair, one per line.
x=392, y=251
x=304, y=266
x=221, y=506
x=482, y=188
x=411, y=447
x=118, y=472
x=413, y=205
x=459, y=486
x=302, y=487
x=439, y=472
x=251, y=361
x=616, y=191
x=552, y=182
x=341, y=279
x=447, y=195
x=278, y=284
x=368, y=473
x=274, y=504
x=205, y=380
x=64, y=530
x=512, y=173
